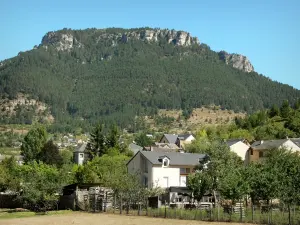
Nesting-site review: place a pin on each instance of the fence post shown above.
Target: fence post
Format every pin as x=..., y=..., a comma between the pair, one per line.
x=241, y=212
x=147, y=207
x=165, y=209
x=121, y=204
x=139, y=209
x=252, y=211
x=115, y=202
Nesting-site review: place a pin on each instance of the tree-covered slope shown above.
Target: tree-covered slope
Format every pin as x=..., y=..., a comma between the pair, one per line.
x=115, y=74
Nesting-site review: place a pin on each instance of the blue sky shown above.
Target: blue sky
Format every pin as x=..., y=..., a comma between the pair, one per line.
x=267, y=32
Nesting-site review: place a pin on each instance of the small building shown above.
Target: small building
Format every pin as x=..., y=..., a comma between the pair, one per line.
x=180, y=140
x=184, y=139
x=86, y=197
x=81, y=154
x=169, y=138
x=258, y=149
x=239, y=146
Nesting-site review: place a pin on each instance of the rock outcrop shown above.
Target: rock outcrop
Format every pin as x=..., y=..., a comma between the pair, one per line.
x=64, y=40
x=237, y=61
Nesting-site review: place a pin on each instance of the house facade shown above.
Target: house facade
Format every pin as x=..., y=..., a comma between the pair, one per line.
x=239, y=146
x=258, y=150
x=163, y=169
x=80, y=154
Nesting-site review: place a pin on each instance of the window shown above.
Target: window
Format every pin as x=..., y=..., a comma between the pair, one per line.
x=185, y=170
x=166, y=162
x=182, y=181
x=261, y=154
x=251, y=152
x=81, y=155
x=145, y=181
x=165, y=182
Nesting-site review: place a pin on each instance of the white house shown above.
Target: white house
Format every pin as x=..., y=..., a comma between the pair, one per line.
x=239, y=146
x=80, y=154
x=163, y=169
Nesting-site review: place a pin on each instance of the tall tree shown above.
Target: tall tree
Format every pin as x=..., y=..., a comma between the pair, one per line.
x=33, y=143
x=50, y=154
x=274, y=111
x=96, y=144
x=285, y=109
x=112, y=140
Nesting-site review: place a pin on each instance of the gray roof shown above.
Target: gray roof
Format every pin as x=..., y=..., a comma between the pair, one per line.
x=296, y=141
x=268, y=144
x=81, y=148
x=161, y=149
x=231, y=142
x=172, y=138
x=176, y=158
x=135, y=148
x=183, y=136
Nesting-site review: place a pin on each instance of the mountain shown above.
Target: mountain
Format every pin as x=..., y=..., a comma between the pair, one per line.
x=115, y=74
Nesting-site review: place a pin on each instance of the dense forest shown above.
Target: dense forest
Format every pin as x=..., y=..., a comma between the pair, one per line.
x=93, y=74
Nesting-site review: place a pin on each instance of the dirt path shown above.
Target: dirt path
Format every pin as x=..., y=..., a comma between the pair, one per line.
x=98, y=219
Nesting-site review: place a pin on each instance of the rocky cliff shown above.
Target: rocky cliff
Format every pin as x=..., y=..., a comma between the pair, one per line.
x=65, y=40
x=237, y=61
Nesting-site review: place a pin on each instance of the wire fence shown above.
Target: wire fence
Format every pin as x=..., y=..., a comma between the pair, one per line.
x=220, y=214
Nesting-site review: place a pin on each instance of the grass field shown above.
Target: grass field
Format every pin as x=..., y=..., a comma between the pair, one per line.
x=77, y=218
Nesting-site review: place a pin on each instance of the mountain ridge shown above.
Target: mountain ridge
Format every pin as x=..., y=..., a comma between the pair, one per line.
x=115, y=74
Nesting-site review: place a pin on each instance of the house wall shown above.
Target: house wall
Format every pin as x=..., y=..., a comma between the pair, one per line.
x=173, y=174
x=160, y=172
x=190, y=138
x=289, y=145
x=136, y=166
x=240, y=149
x=164, y=140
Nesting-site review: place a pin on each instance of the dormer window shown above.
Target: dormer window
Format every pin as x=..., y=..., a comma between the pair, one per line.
x=165, y=162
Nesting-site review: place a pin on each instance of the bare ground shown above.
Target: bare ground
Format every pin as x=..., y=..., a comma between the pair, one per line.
x=77, y=218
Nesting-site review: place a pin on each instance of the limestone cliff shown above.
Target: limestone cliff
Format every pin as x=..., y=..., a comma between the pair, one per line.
x=65, y=40
x=237, y=61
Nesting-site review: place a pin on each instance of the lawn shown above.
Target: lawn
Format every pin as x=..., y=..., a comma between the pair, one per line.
x=79, y=218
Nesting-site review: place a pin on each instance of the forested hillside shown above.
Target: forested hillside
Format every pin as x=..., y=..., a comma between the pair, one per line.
x=116, y=74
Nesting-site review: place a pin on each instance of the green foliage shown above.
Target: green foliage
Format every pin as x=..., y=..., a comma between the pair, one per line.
x=41, y=185
x=8, y=175
x=143, y=140
x=50, y=154
x=97, y=141
x=116, y=82
x=102, y=141
x=272, y=124
x=199, y=183
x=234, y=184
x=108, y=170
x=33, y=143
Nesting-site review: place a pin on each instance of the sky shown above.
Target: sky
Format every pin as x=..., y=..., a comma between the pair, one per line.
x=266, y=31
